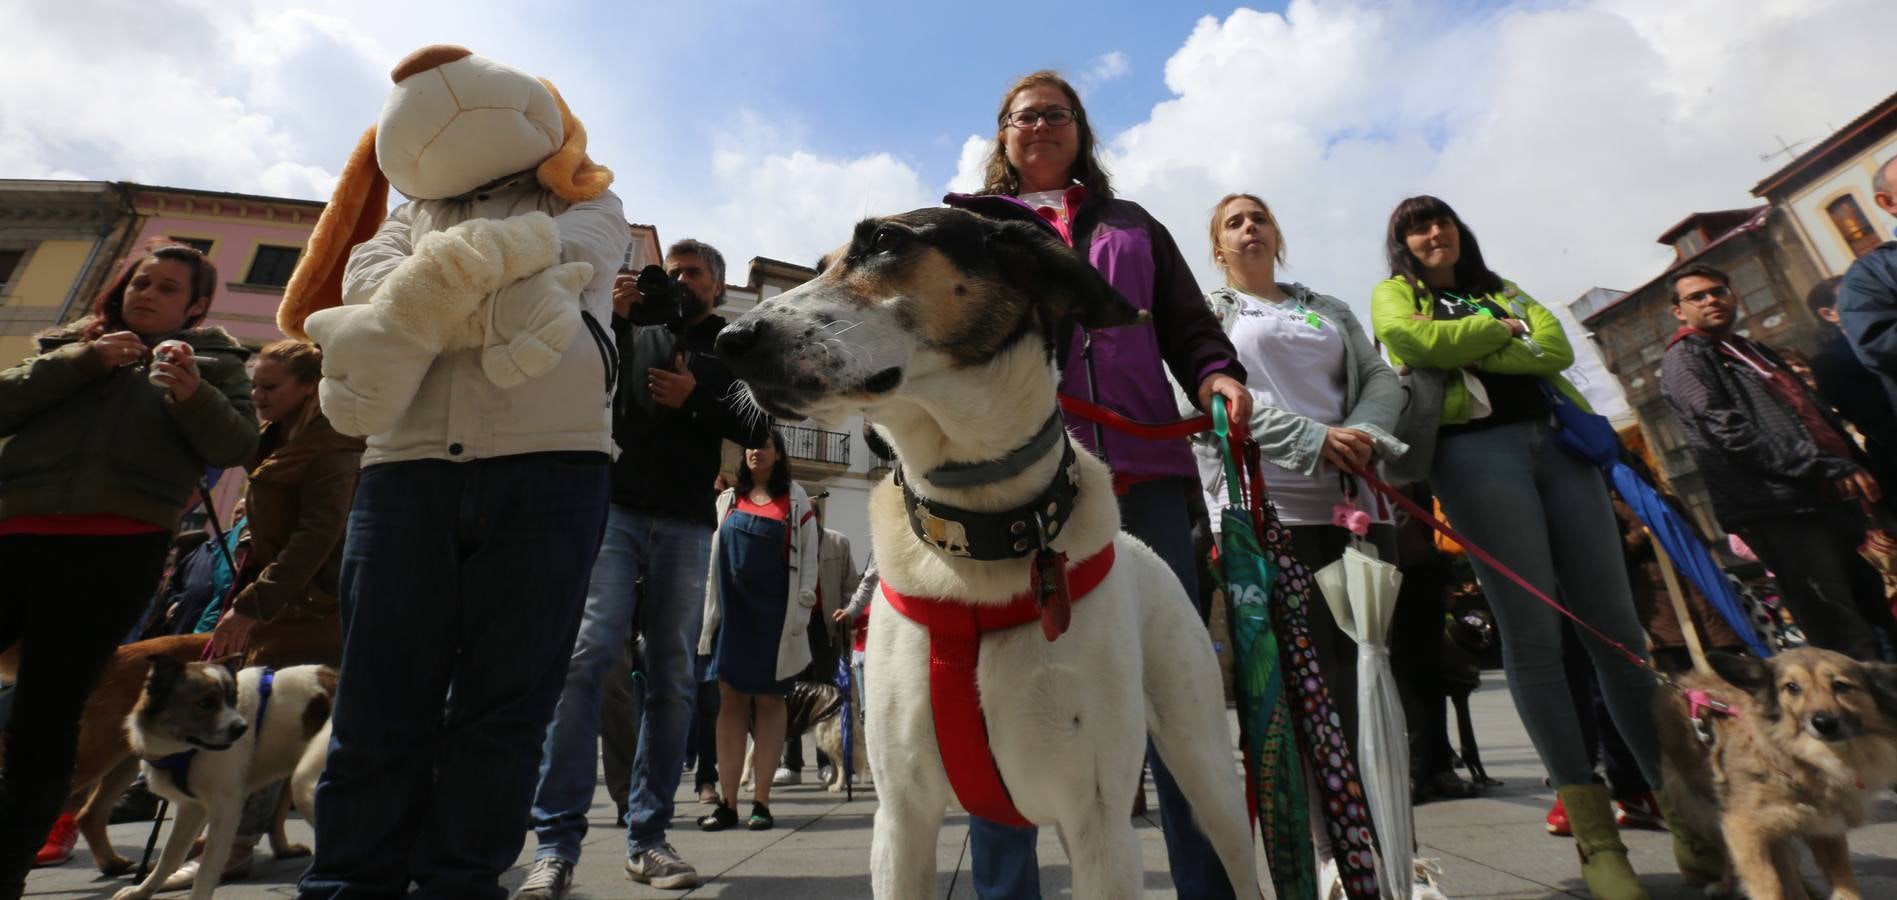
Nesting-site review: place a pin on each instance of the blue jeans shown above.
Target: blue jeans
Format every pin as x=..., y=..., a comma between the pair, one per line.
x=1002, y=858
x=674, y=556
x=1545, y=514
x=461, y=588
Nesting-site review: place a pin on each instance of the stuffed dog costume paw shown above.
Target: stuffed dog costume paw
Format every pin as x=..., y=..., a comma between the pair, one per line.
x=456, y=127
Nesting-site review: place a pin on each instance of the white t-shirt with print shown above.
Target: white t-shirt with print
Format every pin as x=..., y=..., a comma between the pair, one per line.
x=1294, y=360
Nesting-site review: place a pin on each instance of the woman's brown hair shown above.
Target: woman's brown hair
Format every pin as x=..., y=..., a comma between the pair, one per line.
x=108, y=309
x=1001, y=178
x=302, y=359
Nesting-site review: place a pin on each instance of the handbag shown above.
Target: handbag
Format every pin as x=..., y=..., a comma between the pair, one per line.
x=1417, y=423
x=1588, y=435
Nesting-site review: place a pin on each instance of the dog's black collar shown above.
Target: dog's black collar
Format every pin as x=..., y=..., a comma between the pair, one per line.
x=1009, y=534
x=965, y=474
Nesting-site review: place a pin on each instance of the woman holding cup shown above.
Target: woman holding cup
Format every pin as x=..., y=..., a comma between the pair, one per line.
x=112, y=426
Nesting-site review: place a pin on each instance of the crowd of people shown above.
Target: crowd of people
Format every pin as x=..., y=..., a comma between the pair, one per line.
x=488, y=573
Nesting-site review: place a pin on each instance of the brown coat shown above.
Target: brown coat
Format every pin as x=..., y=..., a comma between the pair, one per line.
x=301, y=487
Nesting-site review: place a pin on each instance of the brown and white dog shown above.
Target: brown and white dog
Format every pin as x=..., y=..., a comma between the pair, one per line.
x=206, y=747
x=937, y=327
x=1811, y=735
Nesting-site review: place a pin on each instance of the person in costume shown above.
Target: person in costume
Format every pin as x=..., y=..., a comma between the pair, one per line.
x=462, y=337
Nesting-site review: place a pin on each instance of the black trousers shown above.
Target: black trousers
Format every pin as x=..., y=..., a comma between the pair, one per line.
x=1828, y=587
x=1416, y=652
x=71, y=601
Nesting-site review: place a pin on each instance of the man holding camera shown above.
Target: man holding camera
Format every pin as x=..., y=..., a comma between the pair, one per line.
x=670, y=414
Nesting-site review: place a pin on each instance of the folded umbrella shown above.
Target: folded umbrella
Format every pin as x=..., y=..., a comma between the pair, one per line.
x=1361, y=591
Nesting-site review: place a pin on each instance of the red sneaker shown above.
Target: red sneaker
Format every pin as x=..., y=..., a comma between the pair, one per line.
x=1558, y=820
x=59, y=842
x=1639, y=811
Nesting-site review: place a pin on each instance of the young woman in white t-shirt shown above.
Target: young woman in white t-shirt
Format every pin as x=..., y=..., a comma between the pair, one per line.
x=1323, y=402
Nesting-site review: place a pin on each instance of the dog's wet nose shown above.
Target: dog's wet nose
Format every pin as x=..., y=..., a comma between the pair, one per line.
x=237, y=729
x=739, y=338
x=1826, y=724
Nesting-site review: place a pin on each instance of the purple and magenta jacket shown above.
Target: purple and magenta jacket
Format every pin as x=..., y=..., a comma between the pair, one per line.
x=1137, y=256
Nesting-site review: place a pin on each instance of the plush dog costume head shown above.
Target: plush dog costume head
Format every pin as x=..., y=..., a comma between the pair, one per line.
x=454, y=123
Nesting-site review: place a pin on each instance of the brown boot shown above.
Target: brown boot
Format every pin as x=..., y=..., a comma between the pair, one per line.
x=1603, y=856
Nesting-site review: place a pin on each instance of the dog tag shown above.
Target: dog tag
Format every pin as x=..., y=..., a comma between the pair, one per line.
x=1052, y=593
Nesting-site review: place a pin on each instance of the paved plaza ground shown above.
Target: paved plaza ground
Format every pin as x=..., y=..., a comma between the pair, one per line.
x=1490, y=847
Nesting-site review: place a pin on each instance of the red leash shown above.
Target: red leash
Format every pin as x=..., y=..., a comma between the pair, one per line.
x=1100, y=415
x=1094, y=412
x=1417, y=511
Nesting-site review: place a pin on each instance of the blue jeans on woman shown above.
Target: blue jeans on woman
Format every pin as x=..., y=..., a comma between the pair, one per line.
x=1002, y=858
x=461, y=590
x=1545, y=514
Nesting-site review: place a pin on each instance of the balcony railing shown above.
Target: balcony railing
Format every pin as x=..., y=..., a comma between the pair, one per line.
x=817, y=445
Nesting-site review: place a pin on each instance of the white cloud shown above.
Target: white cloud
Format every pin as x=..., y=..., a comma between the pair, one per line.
x=767, y=198
x=1111, y=66
x=972, y=165
x=1568, y=135
x=1567, y=132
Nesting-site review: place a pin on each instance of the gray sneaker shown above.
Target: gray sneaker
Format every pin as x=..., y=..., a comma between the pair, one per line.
x=549, y=879
x=662, y=868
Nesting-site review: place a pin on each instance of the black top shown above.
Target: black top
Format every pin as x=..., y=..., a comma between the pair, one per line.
x=1857, y=394
x=669, y=457
x=1512, y=398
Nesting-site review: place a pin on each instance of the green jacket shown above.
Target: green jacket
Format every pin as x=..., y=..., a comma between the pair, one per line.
x=87, y=438
x=1404, y=321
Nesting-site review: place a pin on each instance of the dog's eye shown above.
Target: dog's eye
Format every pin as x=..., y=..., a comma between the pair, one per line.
x=1842, y=687
x=1793, y=688
x=888, y=240
x=208, y=703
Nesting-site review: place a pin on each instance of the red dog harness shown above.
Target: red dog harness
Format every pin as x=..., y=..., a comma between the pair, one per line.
x=955, y=630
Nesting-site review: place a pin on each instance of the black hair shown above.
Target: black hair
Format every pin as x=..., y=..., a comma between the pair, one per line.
x=1472, y=274
x=1696, y=270
x=779, y=483
x=1824, y=294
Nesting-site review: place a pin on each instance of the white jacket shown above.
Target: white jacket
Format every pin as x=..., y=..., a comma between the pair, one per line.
x=793, y=646
x=458, y=413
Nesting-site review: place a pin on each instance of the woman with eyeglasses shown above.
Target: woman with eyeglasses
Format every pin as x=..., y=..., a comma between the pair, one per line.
x=112, y=424
x=1512, y=490
x=1043, y=169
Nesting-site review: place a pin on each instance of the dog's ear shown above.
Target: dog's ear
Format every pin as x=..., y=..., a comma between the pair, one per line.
x=230, y=662
x=1750, y=674
x=873, y=439
x=165, y=671
x=1883, y=686
x=1051, y=272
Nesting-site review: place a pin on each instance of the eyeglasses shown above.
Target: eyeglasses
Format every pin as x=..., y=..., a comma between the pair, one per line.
x=1718, y=292
x=1054, y=116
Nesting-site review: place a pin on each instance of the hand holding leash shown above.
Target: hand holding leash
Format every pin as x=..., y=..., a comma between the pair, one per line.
x=1237, y=398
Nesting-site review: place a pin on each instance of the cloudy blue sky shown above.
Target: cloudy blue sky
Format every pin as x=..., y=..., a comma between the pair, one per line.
x=1569, y=133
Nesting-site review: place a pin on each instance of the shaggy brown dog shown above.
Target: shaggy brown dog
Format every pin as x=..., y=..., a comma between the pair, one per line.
x=1810, y=736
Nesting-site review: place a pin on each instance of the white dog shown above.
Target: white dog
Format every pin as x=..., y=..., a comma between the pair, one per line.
x=209, y=738
x=935, y=326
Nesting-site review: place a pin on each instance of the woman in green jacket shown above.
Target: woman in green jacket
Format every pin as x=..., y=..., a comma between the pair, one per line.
x=112, y=426
x=1506, y=484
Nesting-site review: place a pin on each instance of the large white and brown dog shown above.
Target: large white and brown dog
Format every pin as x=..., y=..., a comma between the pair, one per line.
x=209, y=738
x=937, y=326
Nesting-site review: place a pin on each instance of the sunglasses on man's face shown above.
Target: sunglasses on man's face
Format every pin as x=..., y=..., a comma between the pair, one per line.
x=1718, y=292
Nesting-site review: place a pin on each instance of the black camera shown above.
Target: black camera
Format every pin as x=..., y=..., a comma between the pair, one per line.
x=662, y=300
